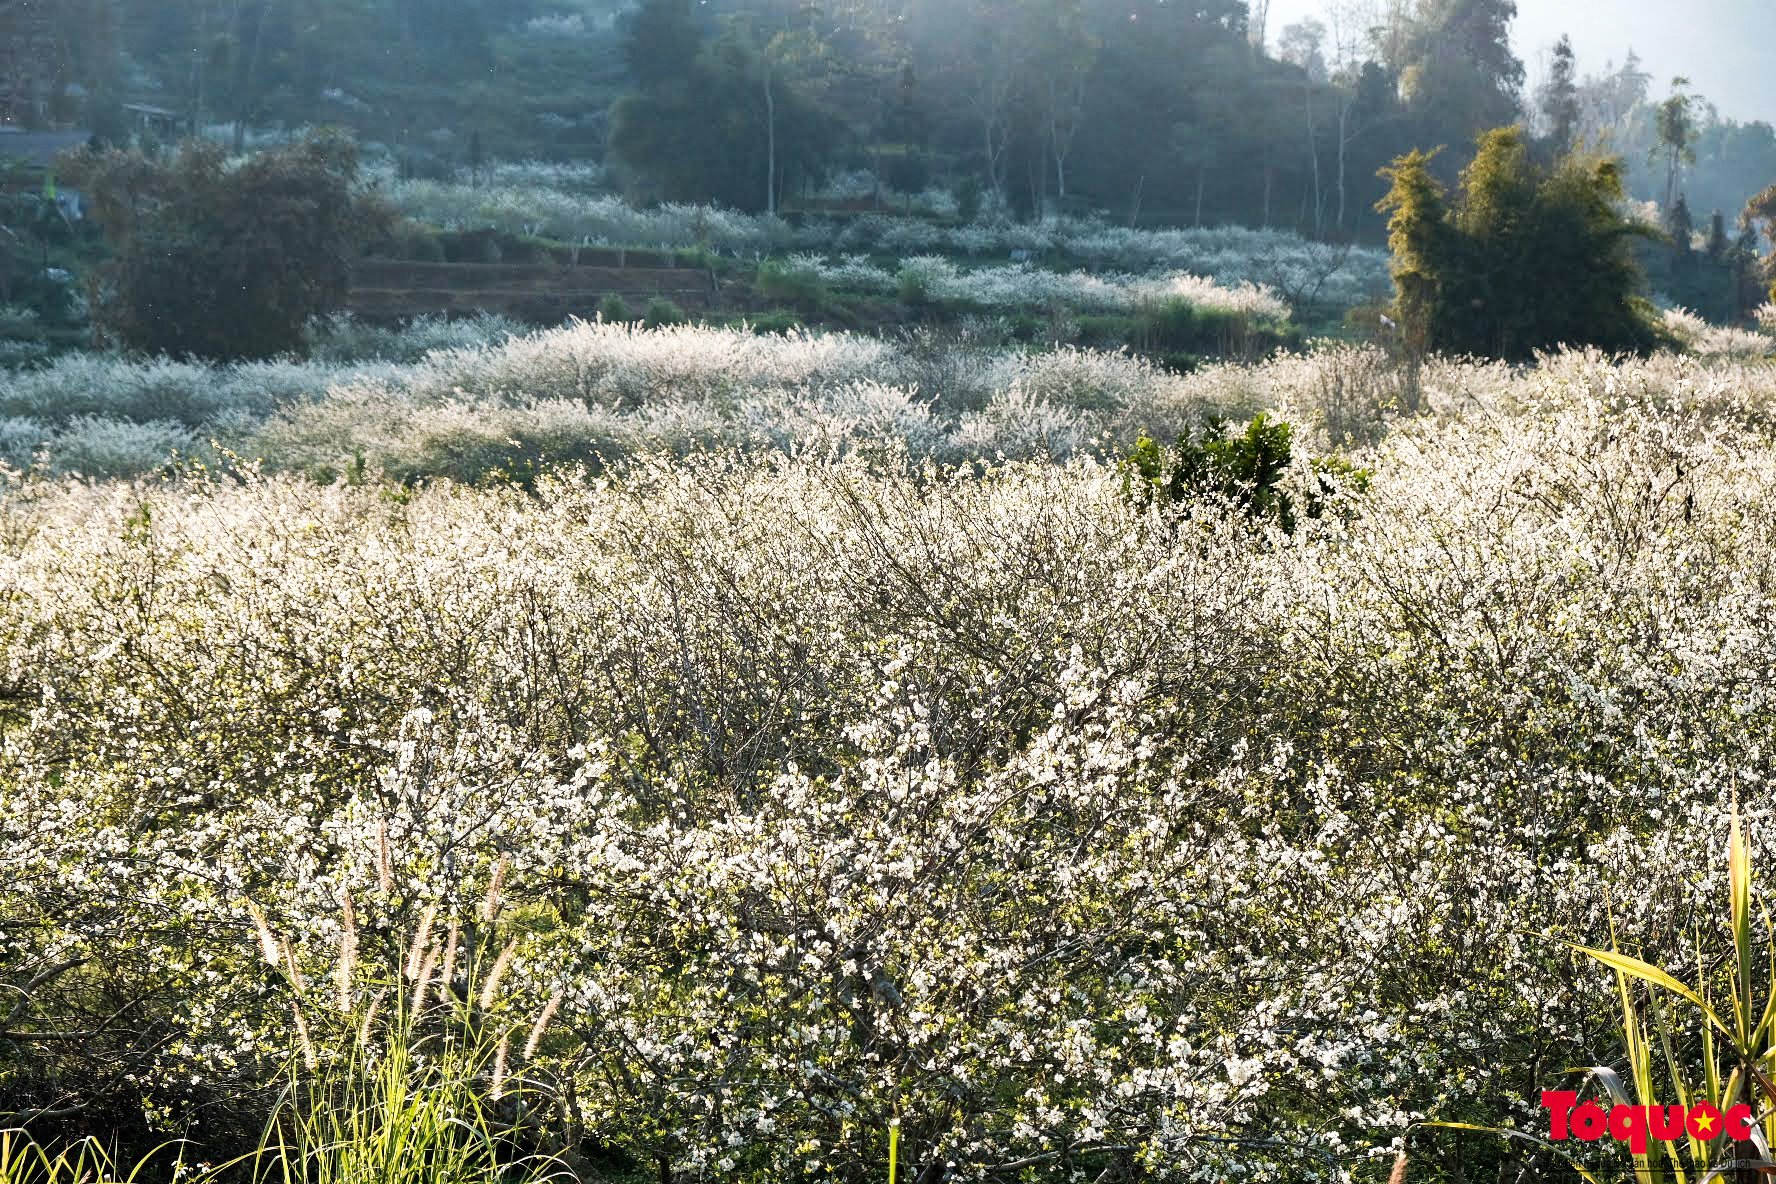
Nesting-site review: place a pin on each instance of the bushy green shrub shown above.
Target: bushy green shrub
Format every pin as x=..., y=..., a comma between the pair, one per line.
x=1168, y=325
x=19, y=322
x=480, y=245
x=661, y=312
x=1527, y=257
x=221, y=260
x=913, y=287
x=411, y=241
x=776, y=321
x=1105, y=329
x=969, y=196
x=798, y=287
x=1182, y=331
x=1244, y=469
x=613, y=310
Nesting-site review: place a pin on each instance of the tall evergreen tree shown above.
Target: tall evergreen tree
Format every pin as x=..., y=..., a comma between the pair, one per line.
x=1559, y=98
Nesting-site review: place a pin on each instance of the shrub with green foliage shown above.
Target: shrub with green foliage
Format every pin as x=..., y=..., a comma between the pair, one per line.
x=1527, y=257
x=224, y=260
x=776, y=321
x=661, y=312
x=1179, y=328
x=1244, y=469
x=913, y=287
x=800, y=287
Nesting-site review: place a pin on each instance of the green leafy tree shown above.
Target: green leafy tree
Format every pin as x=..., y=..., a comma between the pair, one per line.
x=1526, y=258
x=1457, y=70
x=1674, y=124
x=661, y=41
x=730, y=129
x=220, y=261
x=906, y=128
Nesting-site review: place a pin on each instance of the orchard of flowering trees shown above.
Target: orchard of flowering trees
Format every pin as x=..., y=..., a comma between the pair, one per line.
x=1137, y=705
x=734, y=814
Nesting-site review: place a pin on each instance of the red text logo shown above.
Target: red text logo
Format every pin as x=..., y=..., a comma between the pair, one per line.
x=1569, y=1118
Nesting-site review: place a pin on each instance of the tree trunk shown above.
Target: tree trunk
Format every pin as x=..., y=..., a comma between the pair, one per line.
x=770, y=144
x=1343, y=147
x=993, y=183
x=250, y=77
x=1313, y=152
x=1054, y=141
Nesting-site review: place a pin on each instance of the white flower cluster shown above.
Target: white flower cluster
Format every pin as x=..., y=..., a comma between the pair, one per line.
x=494, y=402
x=566, y=176
x=1727, y=341
x=573, y=216
x=1021, y=286
x=528, y=199
x=342, y=338
x=831, y=793
x=1231, y=255
x=864, y=184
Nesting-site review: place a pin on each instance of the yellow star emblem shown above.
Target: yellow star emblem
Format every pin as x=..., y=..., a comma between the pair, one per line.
x=1705, y=1123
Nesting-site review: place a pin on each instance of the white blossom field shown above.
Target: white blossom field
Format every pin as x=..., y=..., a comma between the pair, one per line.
x=763, y=792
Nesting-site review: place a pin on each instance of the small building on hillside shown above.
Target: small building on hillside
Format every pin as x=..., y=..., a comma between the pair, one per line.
x=27, y=163
x=156, y=121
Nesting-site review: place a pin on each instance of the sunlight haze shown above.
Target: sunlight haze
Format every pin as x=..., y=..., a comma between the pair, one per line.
x=1721, y=46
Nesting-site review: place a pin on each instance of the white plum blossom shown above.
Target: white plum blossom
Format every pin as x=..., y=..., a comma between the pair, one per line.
x=839, y=782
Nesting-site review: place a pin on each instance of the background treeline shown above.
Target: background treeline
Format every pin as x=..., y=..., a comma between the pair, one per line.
x=1156, y=110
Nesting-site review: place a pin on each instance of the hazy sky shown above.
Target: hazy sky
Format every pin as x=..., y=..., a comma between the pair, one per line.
x=1726, y=48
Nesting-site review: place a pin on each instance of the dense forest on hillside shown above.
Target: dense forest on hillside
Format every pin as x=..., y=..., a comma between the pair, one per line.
x=1153, y=110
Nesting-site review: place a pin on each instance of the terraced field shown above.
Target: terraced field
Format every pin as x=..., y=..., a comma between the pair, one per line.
x=389, y=289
